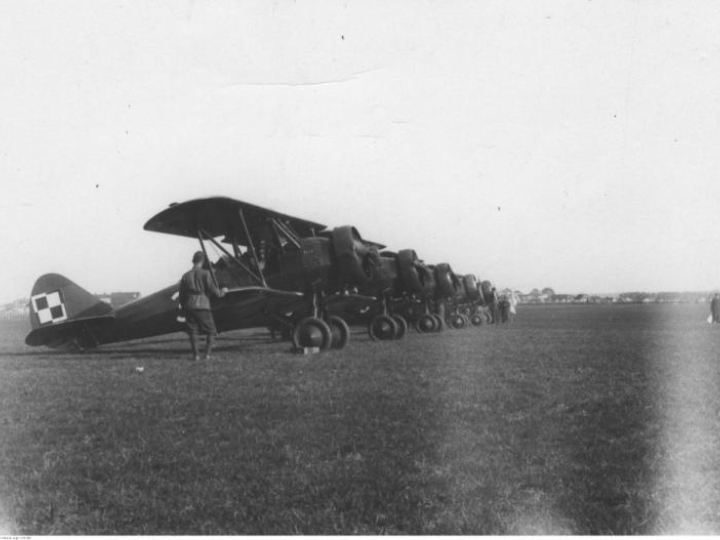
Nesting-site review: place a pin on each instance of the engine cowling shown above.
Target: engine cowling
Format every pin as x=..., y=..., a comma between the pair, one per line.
x=471, y=287
x=461, y=295
x=427, y=278
x=358, y=262
x=408, y=268
x=486, y=287
x=446, y=282
x=310, y=263
x=384, y=277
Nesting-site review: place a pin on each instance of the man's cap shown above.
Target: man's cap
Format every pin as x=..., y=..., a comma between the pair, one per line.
x=198, y=257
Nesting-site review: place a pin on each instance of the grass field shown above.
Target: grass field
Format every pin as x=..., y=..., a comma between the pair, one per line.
x=576, y=419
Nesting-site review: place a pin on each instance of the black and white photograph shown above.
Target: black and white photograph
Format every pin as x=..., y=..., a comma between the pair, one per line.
x=359, y=267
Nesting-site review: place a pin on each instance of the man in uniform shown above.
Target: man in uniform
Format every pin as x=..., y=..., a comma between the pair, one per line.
x=196, y=288
x=504, y=308
x=495, y=306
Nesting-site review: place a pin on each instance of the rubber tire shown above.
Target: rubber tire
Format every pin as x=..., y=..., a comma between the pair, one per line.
x=382, y=319
x=477, y=320
x=420, y=326
x=440, y=326
x=340, y=332
x=402, y=326
x=456, y=321
x=319, y=323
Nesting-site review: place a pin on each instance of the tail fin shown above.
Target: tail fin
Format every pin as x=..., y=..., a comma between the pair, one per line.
x=57, y=305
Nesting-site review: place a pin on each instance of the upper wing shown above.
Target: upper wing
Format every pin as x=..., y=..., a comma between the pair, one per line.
x=220, y=216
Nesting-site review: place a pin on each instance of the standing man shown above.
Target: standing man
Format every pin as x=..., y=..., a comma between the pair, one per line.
x=715, y=308
x=504, y=308
x=196, y=288
x=495, y=307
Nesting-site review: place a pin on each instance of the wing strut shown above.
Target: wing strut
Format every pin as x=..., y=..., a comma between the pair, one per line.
x=207, y=259
x=251, y=247
x=289, y=233
x=236, y=258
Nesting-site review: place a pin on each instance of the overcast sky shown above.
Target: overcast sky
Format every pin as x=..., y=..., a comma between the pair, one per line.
x=571, y=144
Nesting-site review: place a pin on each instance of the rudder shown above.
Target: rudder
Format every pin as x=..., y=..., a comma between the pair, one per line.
x=56, y=299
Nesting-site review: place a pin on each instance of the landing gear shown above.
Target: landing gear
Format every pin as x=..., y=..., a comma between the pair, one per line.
x=387, y=326
x=339, y=330
x=457, y=321
x=440, y=323
x=383, y=327
x=402, y=326
x=320, y=330
x=426, y=323
x=312, y=332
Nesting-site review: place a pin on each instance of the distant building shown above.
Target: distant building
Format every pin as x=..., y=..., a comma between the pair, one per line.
x=17, y=310
x=117, y=299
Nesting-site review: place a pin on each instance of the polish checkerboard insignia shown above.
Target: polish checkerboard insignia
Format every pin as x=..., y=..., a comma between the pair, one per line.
x=49, y=307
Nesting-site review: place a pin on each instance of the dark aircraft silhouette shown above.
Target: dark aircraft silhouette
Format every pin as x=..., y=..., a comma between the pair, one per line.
x=278, y=270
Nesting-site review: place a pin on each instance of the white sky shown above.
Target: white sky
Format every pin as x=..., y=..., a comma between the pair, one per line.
x=572, y=144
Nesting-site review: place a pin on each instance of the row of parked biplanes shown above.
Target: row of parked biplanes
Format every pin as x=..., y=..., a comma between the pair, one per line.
x=298, y=278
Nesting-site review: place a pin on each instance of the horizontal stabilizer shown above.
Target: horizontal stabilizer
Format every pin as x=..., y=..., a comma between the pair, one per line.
x=83, y=333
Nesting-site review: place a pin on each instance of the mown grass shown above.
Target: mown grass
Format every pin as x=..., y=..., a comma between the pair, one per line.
x=575, y=419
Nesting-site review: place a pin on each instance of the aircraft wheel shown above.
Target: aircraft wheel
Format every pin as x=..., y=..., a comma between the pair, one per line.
x=402, y=326
x=476, y=320
x=456, y=321
x=440, y=323
x=312, y=332
x=382, y=327
x=339, y=330
x=426, y=323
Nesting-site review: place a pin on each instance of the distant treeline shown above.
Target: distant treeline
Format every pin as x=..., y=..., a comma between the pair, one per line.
x=620, y=298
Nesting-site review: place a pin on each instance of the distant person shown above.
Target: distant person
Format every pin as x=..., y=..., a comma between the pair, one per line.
x=196, y=288
x=504, y=308
x=494, y=306
x=513, y=305
x=715, y=308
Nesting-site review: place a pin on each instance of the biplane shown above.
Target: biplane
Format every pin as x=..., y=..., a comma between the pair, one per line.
x=466, y=308
x=408, y=292
x=279, y=271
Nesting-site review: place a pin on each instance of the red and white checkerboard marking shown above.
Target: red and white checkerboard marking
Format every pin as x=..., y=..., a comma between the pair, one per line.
x=49, y=307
